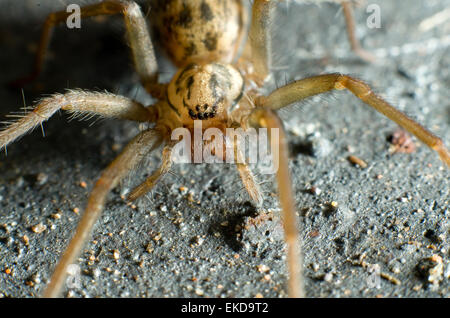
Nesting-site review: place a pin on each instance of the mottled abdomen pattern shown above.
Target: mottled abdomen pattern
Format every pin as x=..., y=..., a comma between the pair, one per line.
x=200, y=30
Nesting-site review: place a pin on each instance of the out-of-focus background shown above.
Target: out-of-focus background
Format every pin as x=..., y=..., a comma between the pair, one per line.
x=194, y=235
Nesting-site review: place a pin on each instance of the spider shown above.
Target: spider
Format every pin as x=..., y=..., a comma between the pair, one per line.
x=215, y=84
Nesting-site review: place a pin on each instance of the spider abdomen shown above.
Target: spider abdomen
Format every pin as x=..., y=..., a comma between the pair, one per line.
x=199, y=31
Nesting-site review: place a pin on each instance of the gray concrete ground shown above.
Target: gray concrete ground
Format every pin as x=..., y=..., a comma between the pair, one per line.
x=193, y=235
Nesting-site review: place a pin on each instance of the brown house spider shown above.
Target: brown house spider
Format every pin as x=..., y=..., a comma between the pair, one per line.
x=209, y=75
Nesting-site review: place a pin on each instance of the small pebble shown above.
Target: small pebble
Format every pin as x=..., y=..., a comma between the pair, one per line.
x=402, y=142
x=190, y=197
x=41, y=178
x=315, y=190
x=38, y=228
x=26, y=239
x=417, y=287
x=357, y=161
x=116, y=147
x=197, y=241
x=56, y=216
x=432, y=269
x=199, y=292
x=315, y=267
x=390, y=278
x=263, y=268
x=183, y=189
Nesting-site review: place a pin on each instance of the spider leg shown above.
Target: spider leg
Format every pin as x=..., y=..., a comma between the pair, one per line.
x=322, y=83
x=248, y=180
x=137, y=33
x=246, y=174
x=132, y=154
x=78, y=102
x=259, y=38
x=247, y=177
x=150, y=182
x=259, y=45
x=267, y=118
x=354, y=43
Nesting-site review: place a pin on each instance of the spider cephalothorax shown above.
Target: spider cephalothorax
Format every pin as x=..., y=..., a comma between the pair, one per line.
x=205, y=91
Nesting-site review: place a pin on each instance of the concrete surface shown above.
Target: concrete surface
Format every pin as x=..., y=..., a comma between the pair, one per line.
x=188, y=242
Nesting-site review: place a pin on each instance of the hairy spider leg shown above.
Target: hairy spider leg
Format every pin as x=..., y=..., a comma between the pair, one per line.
x=314, y=85
x=354, y=43
x=267, y=118
x=133, y=153
x=137, y=34
x=80, y=103
x=151, y=181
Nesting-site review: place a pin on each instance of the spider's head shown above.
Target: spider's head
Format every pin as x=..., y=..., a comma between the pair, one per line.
x=205, y=91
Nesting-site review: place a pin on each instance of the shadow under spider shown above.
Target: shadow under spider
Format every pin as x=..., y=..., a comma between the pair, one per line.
x=251, y=227
x=230, y=225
